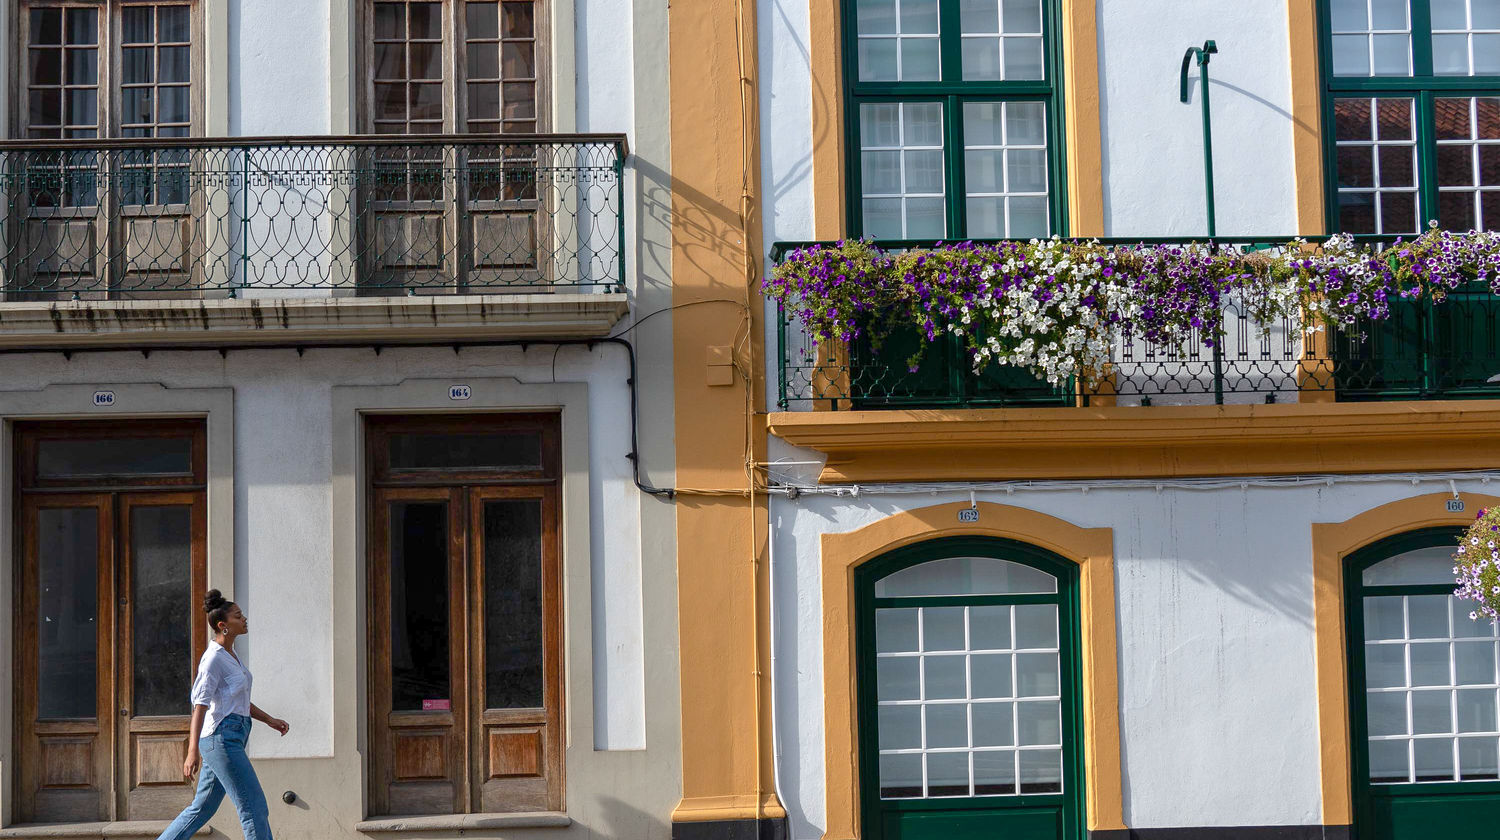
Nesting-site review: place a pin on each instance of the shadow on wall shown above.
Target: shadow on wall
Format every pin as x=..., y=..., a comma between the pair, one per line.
x=711, y=233
x=623, y=821
x=653, y=185
x=1227, y=542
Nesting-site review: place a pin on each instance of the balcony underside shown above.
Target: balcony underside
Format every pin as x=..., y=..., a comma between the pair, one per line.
x=305, y=321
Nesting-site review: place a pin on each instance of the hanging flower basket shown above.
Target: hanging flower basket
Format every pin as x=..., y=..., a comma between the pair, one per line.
x=1477, y=565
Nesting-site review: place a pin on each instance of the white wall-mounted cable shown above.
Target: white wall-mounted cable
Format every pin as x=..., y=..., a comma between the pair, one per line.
x=972, y=489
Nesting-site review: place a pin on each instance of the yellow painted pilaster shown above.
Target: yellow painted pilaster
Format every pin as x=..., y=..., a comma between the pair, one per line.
x=719, y=410
x=1307, y=120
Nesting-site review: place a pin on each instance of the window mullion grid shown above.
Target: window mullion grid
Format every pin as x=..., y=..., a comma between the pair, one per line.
x=950, y=43
x=1015, y=705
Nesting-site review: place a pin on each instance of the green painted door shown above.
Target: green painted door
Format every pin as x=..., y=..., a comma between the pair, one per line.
x=969, y=711
x=1423, y=695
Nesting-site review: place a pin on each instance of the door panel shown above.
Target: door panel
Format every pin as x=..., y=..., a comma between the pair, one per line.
x=418, y=748
x=509, y=204
x=65, y=724
x=515, y=576
x=1019, y=824
x=160, y=572
x=1415, y=816
x=407, y=226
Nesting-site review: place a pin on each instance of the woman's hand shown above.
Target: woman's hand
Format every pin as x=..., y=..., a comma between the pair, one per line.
x=279, y=725
x=190, y=765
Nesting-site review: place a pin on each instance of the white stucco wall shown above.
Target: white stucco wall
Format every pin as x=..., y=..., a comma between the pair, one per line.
x=283, y=499
x=278, y=67
x=1218, y=702
x=1153, y=146
x=606, y=103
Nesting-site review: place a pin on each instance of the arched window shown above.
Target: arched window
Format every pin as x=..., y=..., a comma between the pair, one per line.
x=1424, y=687
x=967, y=691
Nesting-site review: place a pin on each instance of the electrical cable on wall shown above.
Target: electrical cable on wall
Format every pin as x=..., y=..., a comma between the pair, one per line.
x=965, y=490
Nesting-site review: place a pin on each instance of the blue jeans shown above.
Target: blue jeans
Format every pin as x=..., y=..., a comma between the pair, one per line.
x=225, y=768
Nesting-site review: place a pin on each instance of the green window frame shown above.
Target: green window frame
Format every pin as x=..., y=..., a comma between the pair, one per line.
x=942, y=63
x=954, y=131
x=1057, y=814
x=1411, y=117
x=1416, y=133
x=1463, y=798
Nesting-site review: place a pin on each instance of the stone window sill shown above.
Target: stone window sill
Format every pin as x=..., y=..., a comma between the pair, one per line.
x=465, y=822
x=124, y=828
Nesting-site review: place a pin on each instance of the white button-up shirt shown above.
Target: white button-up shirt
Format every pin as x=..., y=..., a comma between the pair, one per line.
x=222, y=684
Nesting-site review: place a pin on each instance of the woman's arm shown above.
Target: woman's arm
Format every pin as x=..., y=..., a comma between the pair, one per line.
x=275, y=723
x=195, y=729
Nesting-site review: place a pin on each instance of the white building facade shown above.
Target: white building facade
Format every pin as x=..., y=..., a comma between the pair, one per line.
x=1151, y=610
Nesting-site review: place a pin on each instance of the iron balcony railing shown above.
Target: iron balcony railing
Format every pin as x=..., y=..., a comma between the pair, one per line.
x=1422, y=351
x=277, y=216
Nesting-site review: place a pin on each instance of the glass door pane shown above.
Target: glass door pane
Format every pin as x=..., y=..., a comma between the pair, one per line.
x=161, y=549
x=68, y=614
x=513, y=638
x=420, y=662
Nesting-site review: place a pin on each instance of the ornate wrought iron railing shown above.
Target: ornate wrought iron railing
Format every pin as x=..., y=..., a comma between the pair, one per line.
x=278, y=216
x=1422, y=351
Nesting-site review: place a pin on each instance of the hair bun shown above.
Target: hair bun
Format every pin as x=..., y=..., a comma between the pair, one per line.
x=213, y=600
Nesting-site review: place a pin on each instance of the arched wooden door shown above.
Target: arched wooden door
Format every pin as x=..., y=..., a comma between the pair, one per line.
x=968, y=693
x=1423, y=695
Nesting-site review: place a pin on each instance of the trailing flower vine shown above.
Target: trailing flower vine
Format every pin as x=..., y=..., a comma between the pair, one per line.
x=1477, y=565
x=1060, y=307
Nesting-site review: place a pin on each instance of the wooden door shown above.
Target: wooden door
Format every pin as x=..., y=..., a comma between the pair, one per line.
x=417, y=662
x=515, y=684
x=109, y=625
x=161, y=578
x=466, y=693
x=64, y=708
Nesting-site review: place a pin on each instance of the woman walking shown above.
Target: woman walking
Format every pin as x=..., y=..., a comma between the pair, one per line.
x=221, y=725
